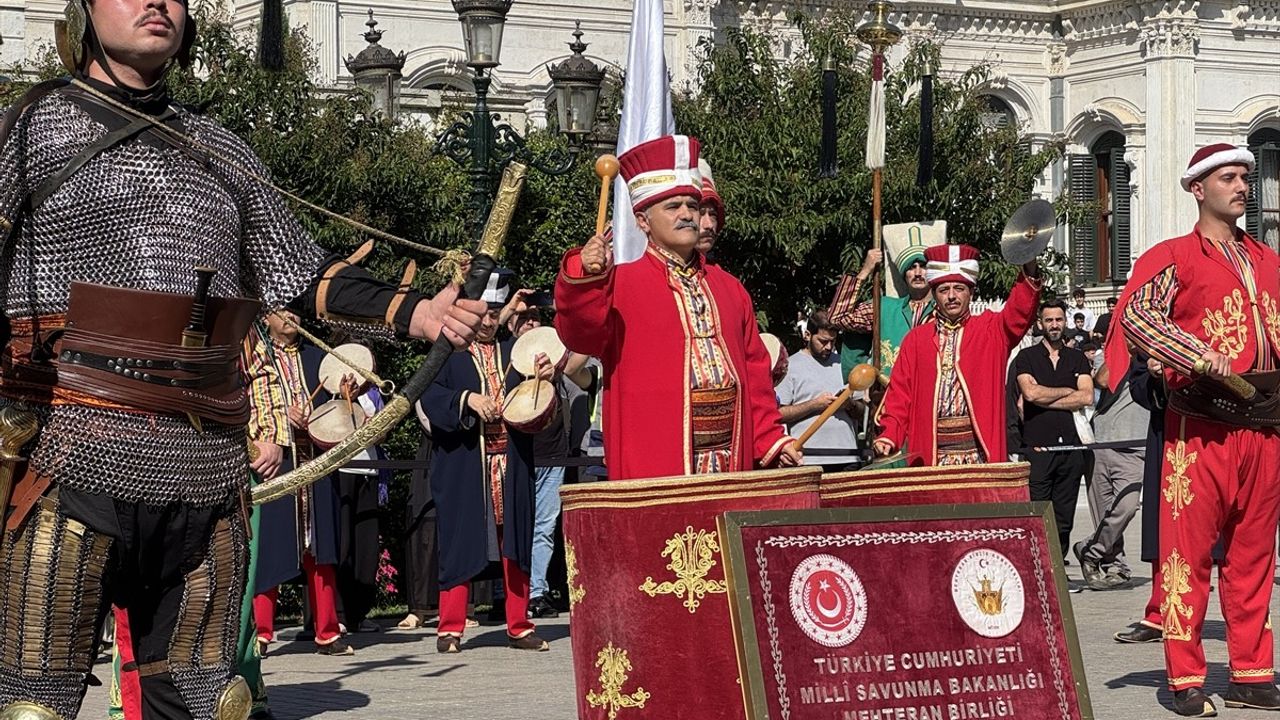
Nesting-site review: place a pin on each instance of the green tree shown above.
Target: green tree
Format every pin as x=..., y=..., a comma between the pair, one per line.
x=790, y=233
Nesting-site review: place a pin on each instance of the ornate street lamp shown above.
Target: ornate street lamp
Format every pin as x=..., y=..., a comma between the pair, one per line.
x=577, y=82
x=480, y=141
x=377, y=70
x=482, y=22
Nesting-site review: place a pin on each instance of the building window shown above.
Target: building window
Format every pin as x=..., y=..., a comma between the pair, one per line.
x=1262, y=214
x=996, y=113
x=1100, y=246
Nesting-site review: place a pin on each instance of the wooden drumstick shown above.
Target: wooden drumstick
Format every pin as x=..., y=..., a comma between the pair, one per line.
x=607, y=169
x=311, y=400
x=861, y=377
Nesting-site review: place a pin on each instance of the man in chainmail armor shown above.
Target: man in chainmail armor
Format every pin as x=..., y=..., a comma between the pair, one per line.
x=132, y=490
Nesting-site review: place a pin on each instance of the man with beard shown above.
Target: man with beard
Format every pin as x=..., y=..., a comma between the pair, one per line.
x=812, y=381
x=946, y=399
x=1206, y=305
x=687, y=385
x=897, y=314
x=124, y=498
x=1055, y=381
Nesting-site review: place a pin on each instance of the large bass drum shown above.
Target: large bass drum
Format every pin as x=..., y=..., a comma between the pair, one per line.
x=949, y=485
x=648, y=592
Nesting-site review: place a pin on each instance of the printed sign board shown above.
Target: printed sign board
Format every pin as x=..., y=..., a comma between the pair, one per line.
x=956, y=612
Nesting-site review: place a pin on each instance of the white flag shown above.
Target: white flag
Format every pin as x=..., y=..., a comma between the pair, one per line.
x=646, y=114
x=875, y=115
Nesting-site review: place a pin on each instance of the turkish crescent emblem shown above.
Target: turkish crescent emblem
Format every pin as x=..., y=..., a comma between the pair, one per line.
x=833, y=613
x=828, y=600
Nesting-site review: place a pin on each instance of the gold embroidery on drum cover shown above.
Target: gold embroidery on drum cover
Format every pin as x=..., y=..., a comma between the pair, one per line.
x=1178, y=491
x=1175, y=581
x=1227, y=330
x=693, y=555
x=615, y=668
x=576, y=592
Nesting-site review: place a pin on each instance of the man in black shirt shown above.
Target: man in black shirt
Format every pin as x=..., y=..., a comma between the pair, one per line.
x=1055, y=381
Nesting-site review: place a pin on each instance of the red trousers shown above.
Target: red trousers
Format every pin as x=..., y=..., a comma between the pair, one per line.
x=1217, y=479
x=453, y=603
x=322, y=591
x=1151, y=616
x=130, y=686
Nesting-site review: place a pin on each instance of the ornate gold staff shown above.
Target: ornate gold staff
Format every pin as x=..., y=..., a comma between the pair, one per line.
x=401, y=403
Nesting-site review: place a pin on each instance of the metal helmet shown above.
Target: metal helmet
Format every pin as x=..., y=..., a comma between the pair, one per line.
x=73, y=36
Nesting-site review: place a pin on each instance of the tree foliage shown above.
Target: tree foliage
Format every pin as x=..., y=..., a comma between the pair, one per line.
x=790, y=233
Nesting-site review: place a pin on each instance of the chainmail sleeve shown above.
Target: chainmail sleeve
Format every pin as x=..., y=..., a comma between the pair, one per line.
x=278, y=258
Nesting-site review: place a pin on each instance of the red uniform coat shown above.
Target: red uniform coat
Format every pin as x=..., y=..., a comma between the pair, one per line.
x=910, y=408
x=1214, y=309
x=629, y=319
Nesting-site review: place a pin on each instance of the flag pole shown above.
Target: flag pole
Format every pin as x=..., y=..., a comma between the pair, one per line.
x=880, y=35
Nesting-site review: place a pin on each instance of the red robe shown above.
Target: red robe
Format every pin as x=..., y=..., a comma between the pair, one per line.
x=910, y=408
x=629, y=319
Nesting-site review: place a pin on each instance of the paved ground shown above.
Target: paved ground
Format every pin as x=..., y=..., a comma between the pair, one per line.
x=399, y=676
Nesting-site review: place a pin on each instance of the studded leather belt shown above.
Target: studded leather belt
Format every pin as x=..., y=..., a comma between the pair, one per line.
x=1209, y=400
x=120, y=348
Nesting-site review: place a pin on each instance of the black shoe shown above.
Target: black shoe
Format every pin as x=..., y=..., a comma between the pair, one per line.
x=1192, y=702
x=539, y=607
x=1092, y=573
x=337, y=647
x=1140, y=633
x=528, y=642
x=448, y=644
x=1260, y=696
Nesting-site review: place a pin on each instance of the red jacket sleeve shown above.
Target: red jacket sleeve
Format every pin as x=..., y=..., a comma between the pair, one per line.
x=762, y=404
x=584, y=306
x=894, y=414
x=1019, y=311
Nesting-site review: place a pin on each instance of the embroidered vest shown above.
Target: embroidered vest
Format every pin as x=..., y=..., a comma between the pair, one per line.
x=1238, y=319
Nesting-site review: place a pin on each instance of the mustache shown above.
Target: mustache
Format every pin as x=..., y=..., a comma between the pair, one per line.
x=686, y=225
x=153, y=16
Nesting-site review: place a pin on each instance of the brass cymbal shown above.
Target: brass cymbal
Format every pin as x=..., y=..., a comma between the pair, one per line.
x=1028, y=232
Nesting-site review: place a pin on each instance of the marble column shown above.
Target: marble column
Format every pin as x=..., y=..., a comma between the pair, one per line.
x=1169, y=46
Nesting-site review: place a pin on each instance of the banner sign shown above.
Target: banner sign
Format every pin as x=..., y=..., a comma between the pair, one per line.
x=956, y=612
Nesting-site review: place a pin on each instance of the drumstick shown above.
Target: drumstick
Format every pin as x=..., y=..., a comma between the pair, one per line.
x=607, y=170
x=314, y=393
x=861, y=377
x=347, y=395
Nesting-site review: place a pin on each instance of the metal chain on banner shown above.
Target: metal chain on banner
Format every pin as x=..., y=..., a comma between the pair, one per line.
x=446, y=254
x=386, y=386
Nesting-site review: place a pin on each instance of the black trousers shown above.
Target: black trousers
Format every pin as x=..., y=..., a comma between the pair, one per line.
x=178, y=571
x=1056, y=478
x=357, y=546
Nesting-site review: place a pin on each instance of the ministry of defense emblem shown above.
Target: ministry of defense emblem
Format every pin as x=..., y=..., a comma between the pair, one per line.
x=988, y=593
x=828, y=600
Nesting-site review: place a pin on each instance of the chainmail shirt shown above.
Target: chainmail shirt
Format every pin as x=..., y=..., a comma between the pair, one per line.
x=141, y=215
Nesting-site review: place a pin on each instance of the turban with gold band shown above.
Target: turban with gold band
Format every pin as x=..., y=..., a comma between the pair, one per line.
x=951, y=263
x=661, y=168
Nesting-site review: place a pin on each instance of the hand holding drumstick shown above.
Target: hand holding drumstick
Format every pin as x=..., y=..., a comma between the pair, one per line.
x=597, y=254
